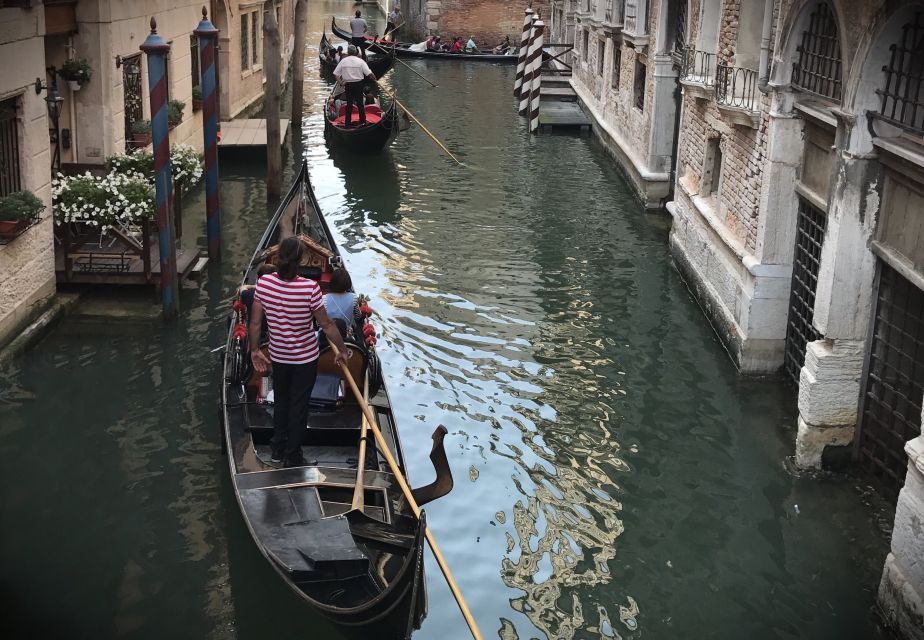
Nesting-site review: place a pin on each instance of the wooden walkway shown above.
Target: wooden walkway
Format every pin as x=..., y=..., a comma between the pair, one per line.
x=92, y=264
x=247, y=134
x=558, y=106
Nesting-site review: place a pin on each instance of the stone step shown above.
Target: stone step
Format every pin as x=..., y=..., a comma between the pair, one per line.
x=557, y=93
x=556, y=81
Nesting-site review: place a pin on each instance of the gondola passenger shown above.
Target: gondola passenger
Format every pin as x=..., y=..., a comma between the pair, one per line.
x=340, y=302
x=470, y=46
x=291, y=304
x=503, y=47
x=352, y=71
x=434, y=44
x=368, y=97
x=456, y=46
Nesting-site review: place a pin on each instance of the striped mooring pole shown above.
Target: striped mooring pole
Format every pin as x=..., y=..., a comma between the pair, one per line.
x=208, y=39
x=536, y=85
x=533, y=60
x=156, y=50
x=528, y=16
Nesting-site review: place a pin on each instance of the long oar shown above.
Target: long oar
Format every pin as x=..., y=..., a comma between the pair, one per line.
x=413, y=70
x=421, y=124
x=359, y=493
x=406, y=490
x=387, y=31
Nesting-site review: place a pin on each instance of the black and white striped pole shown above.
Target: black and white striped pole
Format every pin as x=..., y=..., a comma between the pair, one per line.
x=536, y=84
x=533, y=59
x=528, y=17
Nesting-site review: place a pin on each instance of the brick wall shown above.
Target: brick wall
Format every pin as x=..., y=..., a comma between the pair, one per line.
x=488, y=20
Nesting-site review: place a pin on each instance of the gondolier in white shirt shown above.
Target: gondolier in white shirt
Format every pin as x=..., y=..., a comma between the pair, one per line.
x=352, y=72
x=358, y=29
x=392, y=24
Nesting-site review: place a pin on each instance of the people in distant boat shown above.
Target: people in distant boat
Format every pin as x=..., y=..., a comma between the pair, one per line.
x=353, y=71
x=470, y=46
x=434, y=44
x=369, y=97
x=340, y=302
x=394, y=19
x=338, y=56
x=456, y=46
x=503, y=47
x=358, y=29
x=291, y=304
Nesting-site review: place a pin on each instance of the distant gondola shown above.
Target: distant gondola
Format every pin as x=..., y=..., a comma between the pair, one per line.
x=357, y=566
x=379, y=63
x=403, y=50
x=381, y=126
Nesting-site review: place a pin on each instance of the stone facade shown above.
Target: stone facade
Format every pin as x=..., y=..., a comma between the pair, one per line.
x=27, y=275
x=488, y=20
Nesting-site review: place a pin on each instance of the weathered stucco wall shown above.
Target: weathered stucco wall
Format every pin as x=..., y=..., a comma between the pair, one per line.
x=488, y=20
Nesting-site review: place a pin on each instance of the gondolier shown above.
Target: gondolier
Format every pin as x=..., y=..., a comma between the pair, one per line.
x=392, y=25
x=291, y=303
x=353, y=71
x=358, y=29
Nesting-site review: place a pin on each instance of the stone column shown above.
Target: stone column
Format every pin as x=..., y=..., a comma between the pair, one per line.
x=901, y=591
x=663, y=111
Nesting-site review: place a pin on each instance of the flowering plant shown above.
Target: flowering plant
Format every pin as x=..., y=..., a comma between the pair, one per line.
x=105, y=202
x=78, y=70
x=21, y=205
x=185, y=162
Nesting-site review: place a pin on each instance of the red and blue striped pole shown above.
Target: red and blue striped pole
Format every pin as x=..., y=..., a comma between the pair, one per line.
x=156, y=50
x=208, y=37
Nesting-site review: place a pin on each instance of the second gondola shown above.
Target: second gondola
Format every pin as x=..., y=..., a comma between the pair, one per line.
x=379, y=63
x=381, y=127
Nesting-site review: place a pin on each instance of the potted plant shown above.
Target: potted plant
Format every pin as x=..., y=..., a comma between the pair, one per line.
x=141, y=133
x=197, y=98
x=102, y=202
x=17, y=211
x=77, y=72
x=175, y=112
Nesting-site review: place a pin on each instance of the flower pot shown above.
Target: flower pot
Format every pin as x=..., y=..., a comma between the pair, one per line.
x=197, y=105
x=11, y=227
x=74, y=85
x=142, y=139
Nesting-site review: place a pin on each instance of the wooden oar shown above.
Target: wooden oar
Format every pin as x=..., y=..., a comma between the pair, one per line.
x=421, y=124
x=414, y=71
x=359, y=493
x=406, y=490
x=387, y=31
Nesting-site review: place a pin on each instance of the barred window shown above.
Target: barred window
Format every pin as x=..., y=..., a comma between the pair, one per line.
x=639, y=89
x=902, y=93
x=245, y=42
x=617, y=63
x=818, y=68
x=10, y=174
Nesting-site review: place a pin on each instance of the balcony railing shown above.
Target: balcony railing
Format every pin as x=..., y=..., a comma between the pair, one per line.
x=698, y=67
x=736, y=87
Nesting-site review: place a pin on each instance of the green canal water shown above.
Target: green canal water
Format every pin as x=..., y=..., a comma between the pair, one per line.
x=615, y=477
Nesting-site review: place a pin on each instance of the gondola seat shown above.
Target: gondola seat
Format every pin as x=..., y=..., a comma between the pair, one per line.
x=373, y=115
x=303, y=543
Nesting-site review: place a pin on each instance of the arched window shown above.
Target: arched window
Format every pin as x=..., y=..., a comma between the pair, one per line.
x=902, y=92
x=818, y=66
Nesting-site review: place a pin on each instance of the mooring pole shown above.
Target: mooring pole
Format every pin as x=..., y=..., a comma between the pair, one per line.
x=536, y=86
x=208, y=39
x=534, y=54
x=521, y=52
x=298, y=65
x=156, y=50
x=271, y=69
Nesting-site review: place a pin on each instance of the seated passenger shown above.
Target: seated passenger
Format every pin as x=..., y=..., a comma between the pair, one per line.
x=340, y=302
x=247, y=291
x=503, y=47
x=368, y=97
x=470, y=46
x=456, y=46
x=435, y=44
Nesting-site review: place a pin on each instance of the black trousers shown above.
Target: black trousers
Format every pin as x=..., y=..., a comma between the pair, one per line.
x=292, y=385
x=360, y=43
x=389, y=27
x=354, y=94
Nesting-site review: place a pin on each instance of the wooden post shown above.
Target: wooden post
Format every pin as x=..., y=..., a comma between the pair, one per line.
x=156, y=50
x=298, y=65
x=536, y=86
x=521, y=52
x=207, y=35
x=533, y=54
x=271, y=52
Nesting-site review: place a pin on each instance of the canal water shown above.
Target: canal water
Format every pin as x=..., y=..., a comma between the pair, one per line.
x=615, y=477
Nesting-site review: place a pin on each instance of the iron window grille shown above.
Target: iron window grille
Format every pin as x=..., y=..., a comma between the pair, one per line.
x=698, y=67
x=736, y=87
x=10, y=170
x=818, y=69
x=800, y=330
x=680, y=31
x=894, y=386
x=902, y=96
x=245, y=42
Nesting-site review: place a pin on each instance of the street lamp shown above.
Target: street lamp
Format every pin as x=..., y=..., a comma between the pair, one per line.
x=54, y=101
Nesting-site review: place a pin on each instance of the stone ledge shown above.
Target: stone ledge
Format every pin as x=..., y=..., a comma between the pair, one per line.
x=900, y=604
x=811, y=441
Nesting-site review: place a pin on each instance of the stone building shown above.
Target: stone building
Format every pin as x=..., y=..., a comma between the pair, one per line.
x=796, y=196
x=27, y=274
x=488, y=20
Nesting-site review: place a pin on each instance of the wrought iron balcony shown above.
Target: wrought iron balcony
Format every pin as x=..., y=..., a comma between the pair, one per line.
x=698, y=67
x=736, y=87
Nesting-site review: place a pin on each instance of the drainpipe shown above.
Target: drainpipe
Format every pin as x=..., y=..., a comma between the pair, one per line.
x=73, y=111
x=763, y=81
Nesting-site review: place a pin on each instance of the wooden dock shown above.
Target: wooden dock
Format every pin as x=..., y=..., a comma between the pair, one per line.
x=89, y=263
x=558, y=106
x=247, y=134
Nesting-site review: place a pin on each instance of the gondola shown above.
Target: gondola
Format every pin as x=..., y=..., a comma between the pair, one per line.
x=379, y=63
x=404, y=50
x=382, y=126
x=359, y=567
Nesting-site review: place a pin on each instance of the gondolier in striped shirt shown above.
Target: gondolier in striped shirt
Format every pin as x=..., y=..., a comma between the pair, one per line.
x=291, y=304
x=353, y=71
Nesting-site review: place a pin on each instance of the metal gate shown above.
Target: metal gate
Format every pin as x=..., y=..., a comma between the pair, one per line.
x=891, y=405
x=810, y=233
x=133, y=96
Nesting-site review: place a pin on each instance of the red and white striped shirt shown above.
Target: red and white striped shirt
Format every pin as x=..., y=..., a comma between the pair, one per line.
x=289, y=306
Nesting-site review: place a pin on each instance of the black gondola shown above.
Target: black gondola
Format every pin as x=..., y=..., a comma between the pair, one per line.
x=357, y=567
x=403, y=49
x=379, y=63
x=382, y=126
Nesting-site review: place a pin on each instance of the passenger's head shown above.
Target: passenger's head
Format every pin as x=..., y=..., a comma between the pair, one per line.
x=359, y=13
x=351, y=50
x=265, y=268
x=288, y=258
x=340, y=281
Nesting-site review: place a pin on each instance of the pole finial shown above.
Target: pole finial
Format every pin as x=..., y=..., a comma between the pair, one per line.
x=153, y=25
x=205, y=13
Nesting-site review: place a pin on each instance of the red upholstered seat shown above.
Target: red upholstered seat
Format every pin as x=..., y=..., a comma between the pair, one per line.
x=373, y=115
